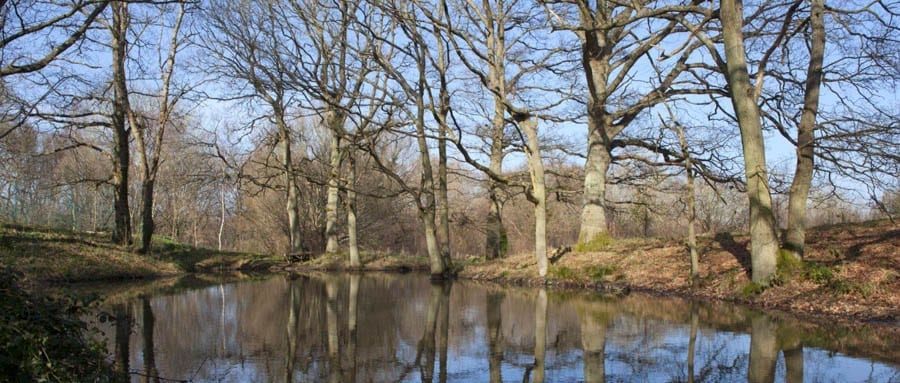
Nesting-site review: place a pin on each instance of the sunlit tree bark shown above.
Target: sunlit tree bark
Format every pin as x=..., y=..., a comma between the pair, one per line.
x=763, y=236
x=795, y=236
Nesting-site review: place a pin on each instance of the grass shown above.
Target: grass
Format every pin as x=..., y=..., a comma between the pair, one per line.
x=44, y=254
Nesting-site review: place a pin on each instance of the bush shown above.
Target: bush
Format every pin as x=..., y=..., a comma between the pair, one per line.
x=42, y=339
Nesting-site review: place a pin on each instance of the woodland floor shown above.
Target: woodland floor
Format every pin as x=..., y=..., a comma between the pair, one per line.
x=850, y=273
x=42, y=255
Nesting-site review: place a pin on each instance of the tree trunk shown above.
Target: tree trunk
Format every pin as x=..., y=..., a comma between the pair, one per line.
x=593, y=211
x=795, y=237
x=538, y=193
x=436, y=262
x=497, y=242
x=692, y=210
x=763, y=236
x=595, y=59
x=331, y=204
x=426, y=200
x=147, y=227
x=293, y=190
x=352, y=245
x=221, y=217
x=443, y=206
x=121, y=151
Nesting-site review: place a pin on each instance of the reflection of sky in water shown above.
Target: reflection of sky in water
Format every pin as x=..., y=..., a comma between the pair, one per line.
x=196, y=337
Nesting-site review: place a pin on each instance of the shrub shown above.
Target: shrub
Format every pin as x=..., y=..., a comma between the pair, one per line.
x=43, y=339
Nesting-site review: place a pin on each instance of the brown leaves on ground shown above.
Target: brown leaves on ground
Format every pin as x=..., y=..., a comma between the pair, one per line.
x=851, y=272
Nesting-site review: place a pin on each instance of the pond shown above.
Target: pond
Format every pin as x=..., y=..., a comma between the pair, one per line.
x=402, y=327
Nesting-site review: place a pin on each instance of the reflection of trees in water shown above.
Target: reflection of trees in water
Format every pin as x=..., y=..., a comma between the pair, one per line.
x=386, y=328
x=148, y=323
x=123, y=322
x=494, y=301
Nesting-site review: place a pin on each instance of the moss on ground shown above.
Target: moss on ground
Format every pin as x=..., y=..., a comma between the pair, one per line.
x=600, y=242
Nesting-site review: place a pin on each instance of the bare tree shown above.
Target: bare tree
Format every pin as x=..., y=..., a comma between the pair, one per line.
x=617, y=40
x=149, y=160
x=118, y=28
x=247, y=47
x=763, y=237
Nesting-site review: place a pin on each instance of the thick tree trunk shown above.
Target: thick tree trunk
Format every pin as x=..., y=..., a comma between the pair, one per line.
x=538, y=193
x=121, y=151
x=497, y=242
x=352, y=244
x=436, y=262
x=593, y=210
x=763, y=236
x=331, y=203
x=596, y=55
x=427, y=208
x=795, y=237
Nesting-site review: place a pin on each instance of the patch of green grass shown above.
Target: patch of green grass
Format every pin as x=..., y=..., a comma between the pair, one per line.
x=600, y=272
x=562, y=272
x=601, y=241
x=817, y=273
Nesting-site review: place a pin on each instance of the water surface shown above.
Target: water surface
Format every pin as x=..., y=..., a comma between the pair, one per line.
x=387, y=327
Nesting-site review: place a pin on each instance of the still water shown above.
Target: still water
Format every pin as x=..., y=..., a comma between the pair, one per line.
x=388, y=327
